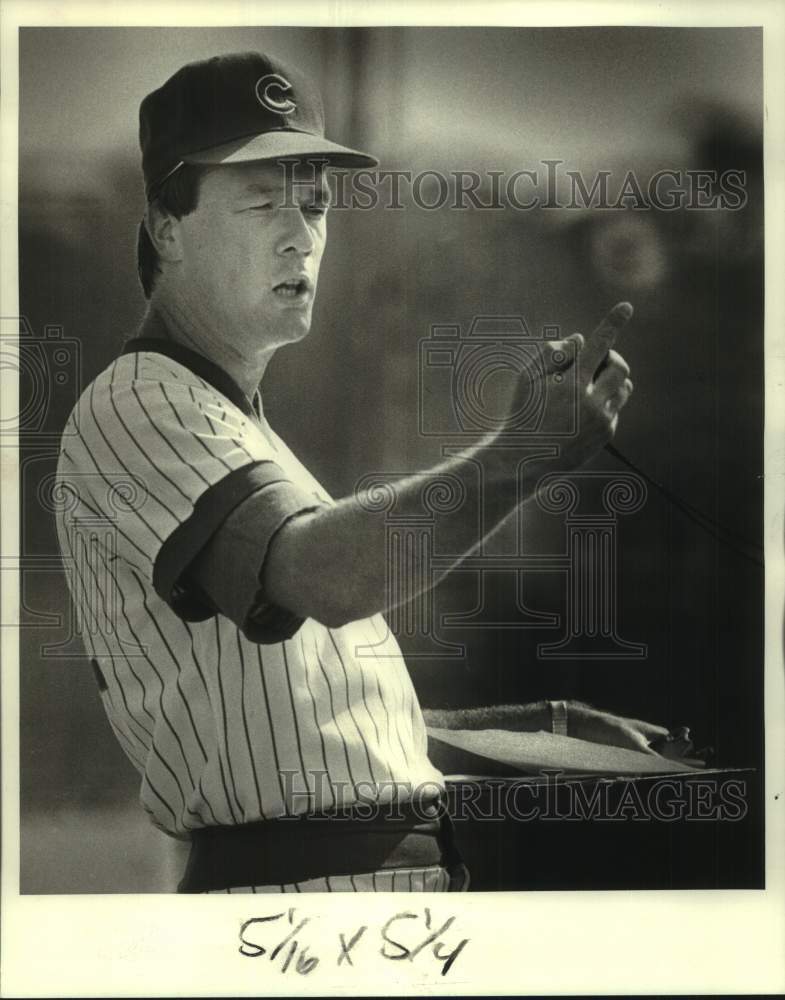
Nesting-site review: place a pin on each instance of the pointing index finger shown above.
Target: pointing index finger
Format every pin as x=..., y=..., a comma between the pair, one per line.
x=602, y=339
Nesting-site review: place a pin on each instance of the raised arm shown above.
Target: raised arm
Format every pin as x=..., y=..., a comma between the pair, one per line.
x=330, y=564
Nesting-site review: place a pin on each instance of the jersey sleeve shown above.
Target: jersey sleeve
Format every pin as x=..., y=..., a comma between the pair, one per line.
x=230, y=569
x=166, y=463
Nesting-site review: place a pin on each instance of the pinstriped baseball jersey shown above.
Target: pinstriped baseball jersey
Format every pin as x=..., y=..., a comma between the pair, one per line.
x=226, y=725
x=431, y=879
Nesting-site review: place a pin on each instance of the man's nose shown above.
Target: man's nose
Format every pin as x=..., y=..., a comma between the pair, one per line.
x=297, y=235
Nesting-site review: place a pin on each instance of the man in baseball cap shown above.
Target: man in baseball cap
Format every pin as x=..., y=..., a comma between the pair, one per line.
x=235, y=109
x=241, y=711
x=247, y=668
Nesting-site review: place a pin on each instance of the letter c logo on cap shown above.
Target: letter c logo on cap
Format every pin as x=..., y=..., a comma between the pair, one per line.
x=271, y=91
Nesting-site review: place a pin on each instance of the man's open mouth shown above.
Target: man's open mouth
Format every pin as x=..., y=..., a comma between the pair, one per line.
x=292, y=289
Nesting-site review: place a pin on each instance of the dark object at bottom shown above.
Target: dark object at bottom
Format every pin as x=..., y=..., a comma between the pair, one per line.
x=696, y=831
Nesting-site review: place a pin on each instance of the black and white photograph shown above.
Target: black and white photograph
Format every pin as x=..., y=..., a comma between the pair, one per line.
x=393, y=448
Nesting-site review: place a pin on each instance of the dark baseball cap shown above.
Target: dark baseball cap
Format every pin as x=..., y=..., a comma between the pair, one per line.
x=233, y=109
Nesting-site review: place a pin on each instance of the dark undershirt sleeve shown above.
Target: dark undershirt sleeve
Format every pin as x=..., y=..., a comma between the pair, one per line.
x=227, y=573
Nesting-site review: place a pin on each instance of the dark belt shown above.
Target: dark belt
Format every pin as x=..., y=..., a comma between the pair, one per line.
x=281, y=851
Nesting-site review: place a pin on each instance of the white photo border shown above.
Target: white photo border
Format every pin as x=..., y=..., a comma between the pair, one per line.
x=548, y=943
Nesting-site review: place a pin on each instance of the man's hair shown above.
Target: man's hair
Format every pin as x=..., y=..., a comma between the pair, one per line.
x=178, y=196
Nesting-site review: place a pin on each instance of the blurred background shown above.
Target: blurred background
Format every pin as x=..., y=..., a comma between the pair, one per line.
x=346, y=399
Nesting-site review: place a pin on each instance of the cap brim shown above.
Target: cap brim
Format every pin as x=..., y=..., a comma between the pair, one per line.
x=282, y=145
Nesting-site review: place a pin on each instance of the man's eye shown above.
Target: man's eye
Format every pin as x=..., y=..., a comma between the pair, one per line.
x=261, y=208
x=316, y=209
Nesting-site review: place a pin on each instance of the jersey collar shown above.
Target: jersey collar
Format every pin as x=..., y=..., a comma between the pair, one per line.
x=197, y=363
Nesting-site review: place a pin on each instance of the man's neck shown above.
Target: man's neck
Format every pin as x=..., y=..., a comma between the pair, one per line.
x=164, y=320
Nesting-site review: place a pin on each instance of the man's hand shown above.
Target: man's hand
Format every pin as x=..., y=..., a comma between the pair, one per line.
x=585, y=723
x=603, y=386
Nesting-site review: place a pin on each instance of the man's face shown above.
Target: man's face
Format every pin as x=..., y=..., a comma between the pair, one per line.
x=251, y=252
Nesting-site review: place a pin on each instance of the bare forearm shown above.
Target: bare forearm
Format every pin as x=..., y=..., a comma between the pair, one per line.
x=334, y=564
x=522, y=718
x=581, y=721
x=529, y=718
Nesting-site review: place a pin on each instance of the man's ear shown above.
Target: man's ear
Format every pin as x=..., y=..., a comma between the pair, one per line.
x=164, y=232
